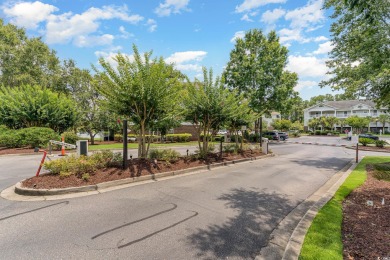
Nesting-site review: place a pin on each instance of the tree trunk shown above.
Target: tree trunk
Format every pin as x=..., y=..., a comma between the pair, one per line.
x=92, y=136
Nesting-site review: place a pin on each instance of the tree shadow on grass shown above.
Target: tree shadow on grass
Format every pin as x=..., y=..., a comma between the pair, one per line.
x=243, y=235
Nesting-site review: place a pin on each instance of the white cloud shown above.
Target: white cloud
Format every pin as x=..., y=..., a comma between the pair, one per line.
x=70, y=27
x=245, y=17
x=86, y=41
x=237, y=35
x=272, y=16
x=324, y=48
x=307, y=66
x=248, y=5
x=288, y=35
x=124, y=34
x=308, y=15
x=181, y=57
x=29, y=15
x=187, y=60
x=321, y=39
x=302, y=84
x=189, y=67
x=111, y=55
x=171, y=6
x=152, y=25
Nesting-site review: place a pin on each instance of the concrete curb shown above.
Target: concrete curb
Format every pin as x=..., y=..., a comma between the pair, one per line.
x=287, y=239
x=105, y=185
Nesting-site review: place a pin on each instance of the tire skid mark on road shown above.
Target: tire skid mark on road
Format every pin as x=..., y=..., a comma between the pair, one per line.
x=22, y=213
x=157, y=232
x=136, y=221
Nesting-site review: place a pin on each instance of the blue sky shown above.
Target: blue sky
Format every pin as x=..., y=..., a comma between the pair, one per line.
x=190, y=33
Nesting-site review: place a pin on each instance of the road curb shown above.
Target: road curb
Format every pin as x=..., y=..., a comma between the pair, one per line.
x=287, y=238
x=105, y=185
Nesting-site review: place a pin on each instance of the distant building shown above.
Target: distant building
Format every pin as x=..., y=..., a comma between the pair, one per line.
x=344, y=109
x=267, y=120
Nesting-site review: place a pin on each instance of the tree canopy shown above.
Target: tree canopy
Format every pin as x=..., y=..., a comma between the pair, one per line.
x=257, y=69
x=26, y=60
x=145, y=90
x=28, y=106
x=360, y=59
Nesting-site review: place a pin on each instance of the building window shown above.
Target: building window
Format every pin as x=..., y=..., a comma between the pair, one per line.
x=345, y=113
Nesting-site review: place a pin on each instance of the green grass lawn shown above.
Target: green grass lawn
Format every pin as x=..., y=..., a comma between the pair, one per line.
x=323, y=239
x=135, y=145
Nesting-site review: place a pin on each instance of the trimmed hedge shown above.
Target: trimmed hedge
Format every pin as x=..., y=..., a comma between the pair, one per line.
x=27, y=137
x=178, y=137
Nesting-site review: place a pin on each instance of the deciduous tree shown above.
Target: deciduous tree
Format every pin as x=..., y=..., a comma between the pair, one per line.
x=144, y=90
x=360, y=59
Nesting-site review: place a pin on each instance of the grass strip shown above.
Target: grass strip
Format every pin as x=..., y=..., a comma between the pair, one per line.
x=323, y=239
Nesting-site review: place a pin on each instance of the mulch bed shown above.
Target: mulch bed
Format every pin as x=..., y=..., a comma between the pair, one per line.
x=366, y=229
x=137, y=167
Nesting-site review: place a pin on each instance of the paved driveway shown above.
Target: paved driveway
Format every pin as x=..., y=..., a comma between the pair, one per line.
x=225, y=213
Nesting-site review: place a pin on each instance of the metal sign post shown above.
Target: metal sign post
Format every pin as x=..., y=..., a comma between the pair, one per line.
x=124, y=164
x=355, y=139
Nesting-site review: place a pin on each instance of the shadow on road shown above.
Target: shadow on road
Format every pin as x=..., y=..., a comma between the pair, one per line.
x=331, y=163
x=244, y=235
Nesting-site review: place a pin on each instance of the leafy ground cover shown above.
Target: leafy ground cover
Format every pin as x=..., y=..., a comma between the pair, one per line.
x=324, y=239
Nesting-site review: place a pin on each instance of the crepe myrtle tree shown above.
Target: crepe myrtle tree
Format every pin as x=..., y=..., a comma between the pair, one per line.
x=208, y=106
x=143, y=89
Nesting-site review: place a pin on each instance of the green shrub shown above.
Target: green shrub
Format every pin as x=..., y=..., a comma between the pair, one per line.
x=118, y=138
x=382, y=171
x=27, y=137
x=178, y=137
x=295, y=134
x=317, y=132
x=37, y=136
x=365, y=141
x=80, y=165
x=3, y=129
x=164, y=155
x=85, y=176
x=70, y=137
x=380, y=143
x=230, y=148
x=10, y=139
x=234, y=137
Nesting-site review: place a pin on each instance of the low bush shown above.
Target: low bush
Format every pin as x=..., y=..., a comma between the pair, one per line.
x=317, y=132
x=27, y=137
x=70, y=137
x=178, y=137
x=167, y=155
x=295, y=134
x=37, y=136
x=230, y=148
x=380, y=143
x=118, y=138
x=365, y=141
x=382, y=171
x=84, y=164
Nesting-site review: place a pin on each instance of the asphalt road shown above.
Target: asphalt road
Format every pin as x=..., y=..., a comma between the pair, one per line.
x=224, y=213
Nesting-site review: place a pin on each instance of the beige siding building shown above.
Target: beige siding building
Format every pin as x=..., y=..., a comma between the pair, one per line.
x=344, y=109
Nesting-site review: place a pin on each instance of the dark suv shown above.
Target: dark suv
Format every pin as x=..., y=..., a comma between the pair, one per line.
x=283, y=136
x=271, y=135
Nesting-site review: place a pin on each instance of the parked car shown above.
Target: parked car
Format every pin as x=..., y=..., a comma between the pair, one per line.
x=283, y=136
x=370, y=136
x=271, y=135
